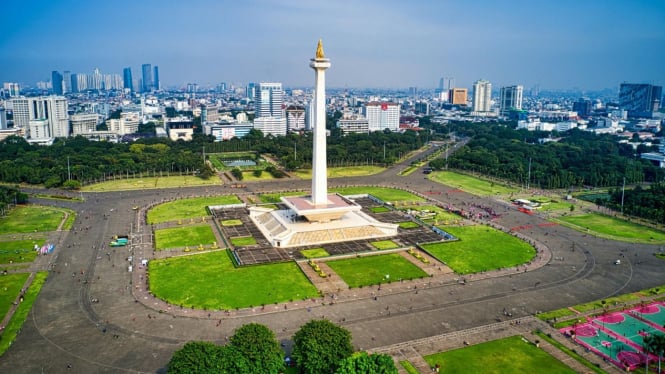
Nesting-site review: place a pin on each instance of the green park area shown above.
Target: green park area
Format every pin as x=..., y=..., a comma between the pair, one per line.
x=548, y=204
x=341, y=172
x=379, y=209
x=33, y=218
x=384, y=244
x=408, y=225
x=433, y=215
x=150, y=182
x=314, y=253
x=10, y=286
x=17, y=251
x=370, y=270
x=509, y=355
x=218, y=159
x=612, y=228
x=480, y=248
x=210, y=281
x=250, y=176
x=232, y=222
x=472, y=185
x=187, y=208
x=243, y=241
x=21, y=313
x=178, y=237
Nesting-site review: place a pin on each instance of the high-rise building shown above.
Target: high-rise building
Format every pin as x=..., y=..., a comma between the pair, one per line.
x=640, y=99
x=250, y=90
x=268, y=109
x=295, y=118
x=41, y=117
x=482, y=96
x=382, y=115
x=56, y=82
x=84, y=123
x=147, y=83
x=458, y=96
x=81, y=82
x=583, y=107
x=155, y=78
x=66, y=81
x=127, y=78
x=96, y=80
x=12, y=89
x=511, y=98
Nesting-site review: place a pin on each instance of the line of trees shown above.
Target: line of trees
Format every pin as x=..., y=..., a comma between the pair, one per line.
x=11, y=195
x=320, y=347
x=577, y=159
x=648, y=203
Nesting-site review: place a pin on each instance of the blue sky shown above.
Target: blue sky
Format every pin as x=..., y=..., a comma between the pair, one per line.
x=562, y=44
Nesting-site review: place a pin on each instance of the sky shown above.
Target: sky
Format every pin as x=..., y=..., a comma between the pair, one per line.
x=562, y=44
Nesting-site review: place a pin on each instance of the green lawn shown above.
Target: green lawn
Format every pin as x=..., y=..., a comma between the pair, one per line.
x=15, y=324
x=384, y=244
x=19, y=250
x=386, y=194
x=248, y=176
x=210, y=281
x=379, y=209
x=177, y=237
x=613, y=228
x=408, y=225
x=243, y=241
x=340, y=172
x=369, y=270
x=267, y=198
x=408, y=366
x=70, y=219
x=548, y=204
x=187, y=208
x=472, y=185
x=509, y=355
x=315, y=253
x=31, y=218
x=480, y=248
x=232, y=222
x=10, y=286
x=151, y=182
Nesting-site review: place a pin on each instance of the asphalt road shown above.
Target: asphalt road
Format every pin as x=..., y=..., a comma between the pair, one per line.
x=66, y=332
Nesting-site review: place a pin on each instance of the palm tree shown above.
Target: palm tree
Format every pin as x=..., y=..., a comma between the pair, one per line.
x=654, y=343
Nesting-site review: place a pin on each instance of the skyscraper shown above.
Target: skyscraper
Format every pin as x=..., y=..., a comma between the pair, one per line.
x=268, y=109
x=155, y=79
x=66, y=81
x=640, y=100
x=250, y=90
x=56, y=82
x=127, y=78
x=511, y=98
x=583, y=107
x=41, y=117
x=458, y=96
x=147, y=85
x=382, y=115
x=74, y=83
x=482, y=96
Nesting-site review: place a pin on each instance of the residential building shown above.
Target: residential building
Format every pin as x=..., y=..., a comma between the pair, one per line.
x=12, y=89
x=482, y=96
x=3, y=119
x=250, y=91
x=640, y=99
x=511, y=98
x=52, y=109
x=382, y=115
x=583, y=107
x=458, y=96
x=66, y=81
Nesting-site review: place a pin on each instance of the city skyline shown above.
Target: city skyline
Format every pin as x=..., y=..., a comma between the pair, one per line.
x=380, y=44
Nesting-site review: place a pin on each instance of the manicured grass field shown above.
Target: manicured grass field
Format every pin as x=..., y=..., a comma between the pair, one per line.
x=614, y=228
x=31, y=218
x=248, y=176
x=340, y=172
x=386, y=194
x=210, y=281
x=187, y=208
x=379, y=209
x=441, y=217
x=548, y=204
x=315, y=253
x=232, y=222
x=384, y=244
x=71, y=217
x=177, y=237
x=509, y=355
x=472, y=185
x=408, y=366
x=480, y=248
x=15, y=324
x=267, y=198
x=243, y=241
x=151, y=182
x=365, y=271
x=408, y=225
x=19, y=251
x=10, y=286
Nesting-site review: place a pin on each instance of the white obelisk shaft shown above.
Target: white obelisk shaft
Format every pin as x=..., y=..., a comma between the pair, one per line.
x=319, y=168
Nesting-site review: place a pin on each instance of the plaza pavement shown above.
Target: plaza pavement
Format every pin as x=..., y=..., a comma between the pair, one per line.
x=124, y=330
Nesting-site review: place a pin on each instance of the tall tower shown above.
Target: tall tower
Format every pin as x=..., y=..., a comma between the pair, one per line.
x=482, y=94
x=56, y=82
x=127, y=78
x=511, y=98
x=319, y=170
x=146, y=70
x=155, y=78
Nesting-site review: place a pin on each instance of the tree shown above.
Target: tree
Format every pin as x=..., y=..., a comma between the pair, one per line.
x=257, y=344
x=655, y=343
x=362, y=363
x=237, y=173
x=196, y=357
x=319, y=346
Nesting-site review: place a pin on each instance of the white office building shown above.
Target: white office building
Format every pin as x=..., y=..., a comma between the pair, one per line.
x=269, y=114
x=382, y=115
x=482, y=96
x=53, y=109
x=84, y=123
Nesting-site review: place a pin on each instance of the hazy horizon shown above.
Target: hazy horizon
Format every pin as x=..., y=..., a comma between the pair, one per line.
x=563, y=45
